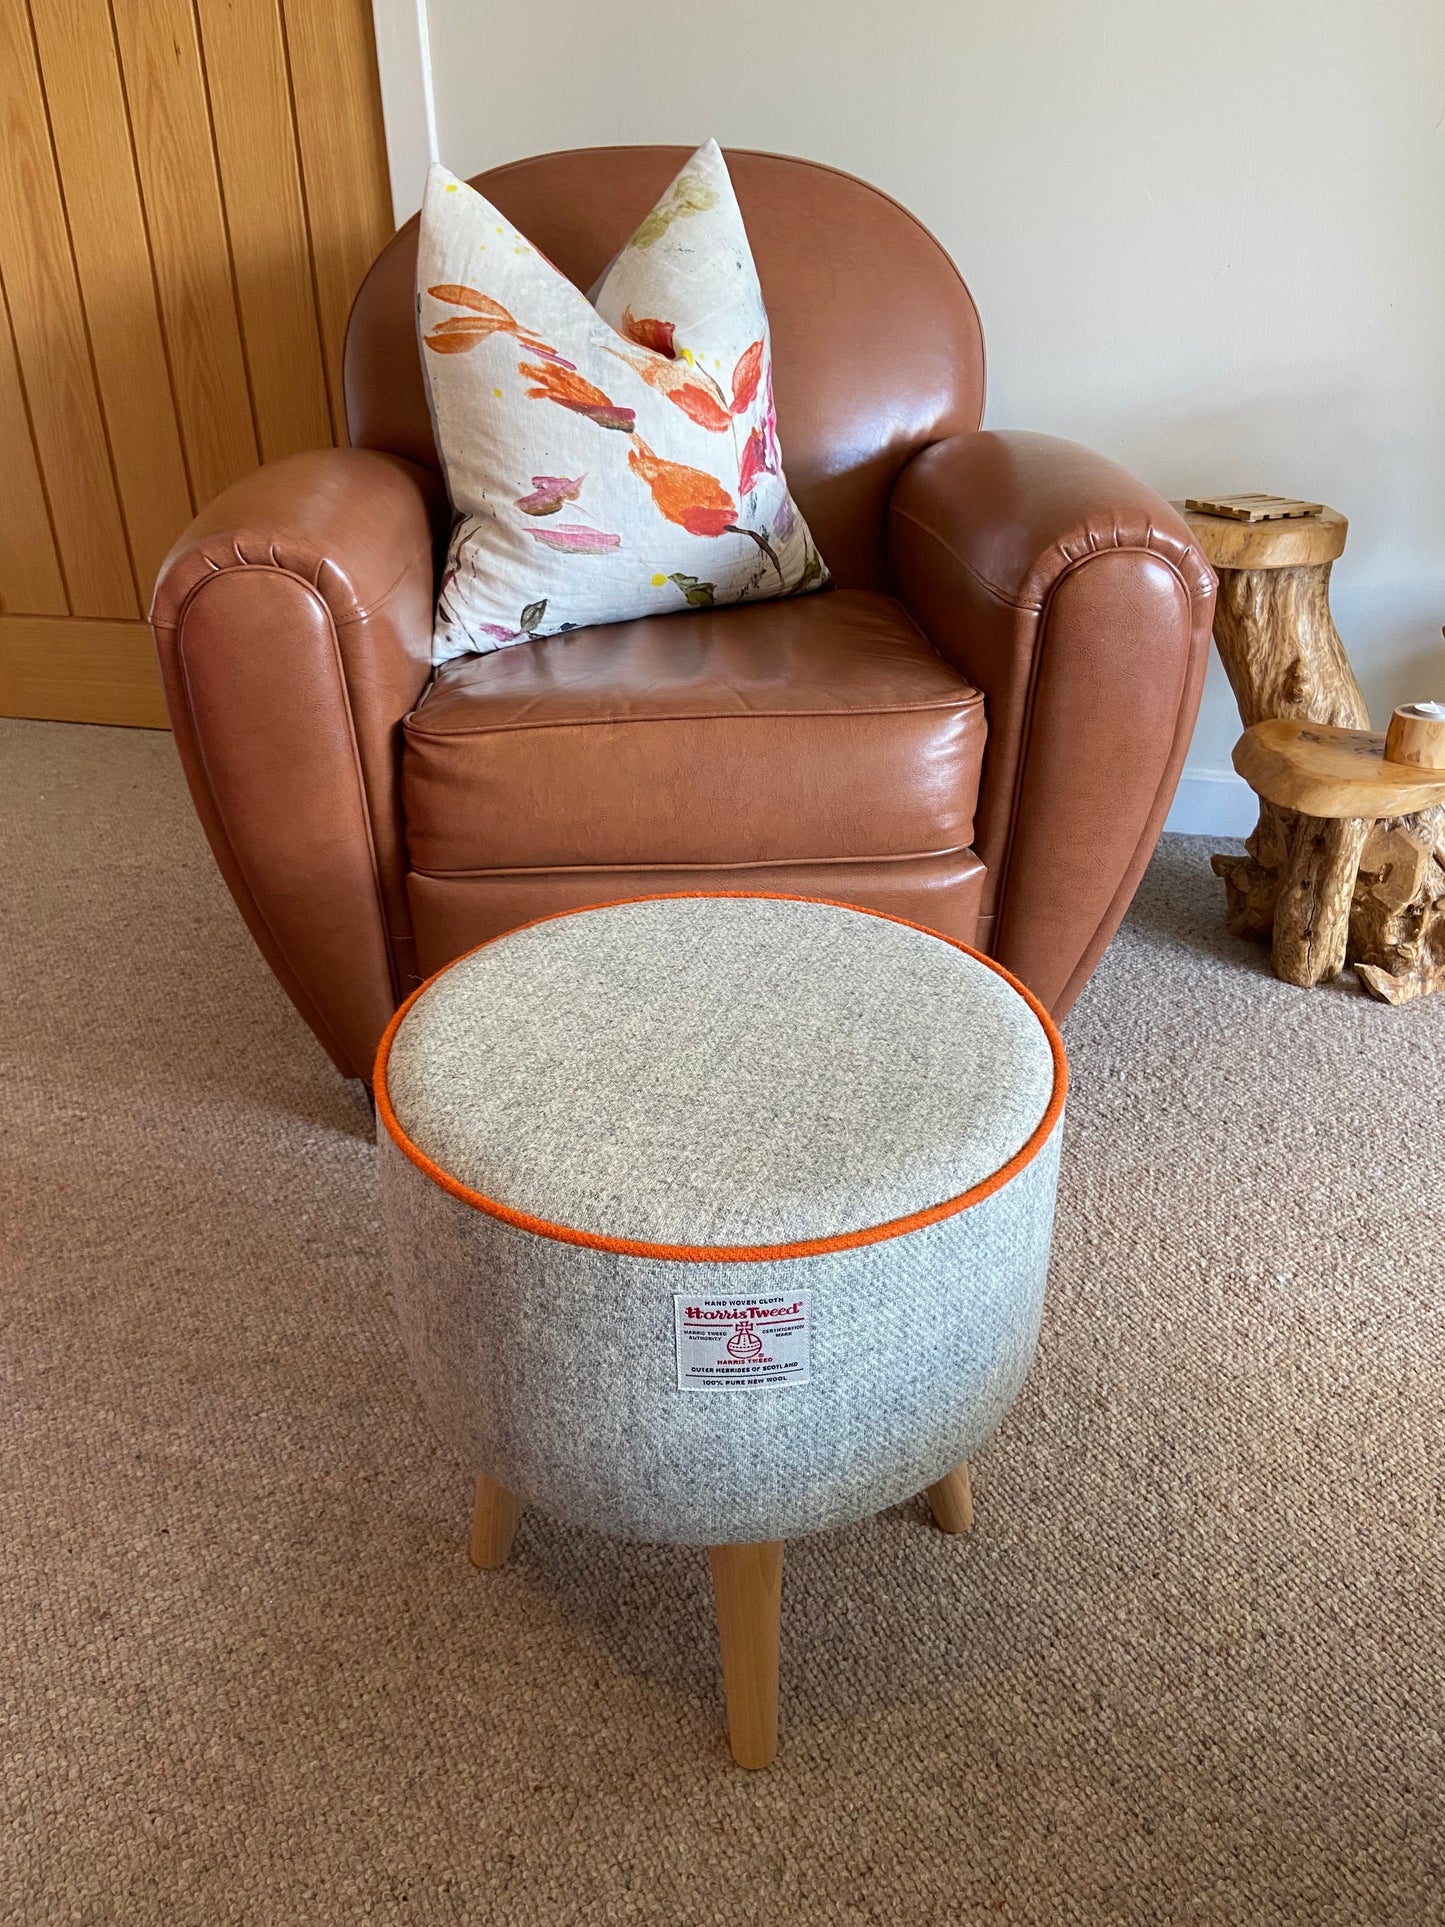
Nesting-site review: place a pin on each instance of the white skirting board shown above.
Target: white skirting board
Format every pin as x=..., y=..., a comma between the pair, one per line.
x=1212, y=802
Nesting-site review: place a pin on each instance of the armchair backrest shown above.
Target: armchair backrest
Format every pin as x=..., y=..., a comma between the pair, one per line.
x=877, y=348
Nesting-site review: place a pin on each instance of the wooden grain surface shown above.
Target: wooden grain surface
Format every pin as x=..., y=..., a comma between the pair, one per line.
x=161, y=60
x=495, y=1512
x=52, y=347
x=343, y=159
x=951, y=1500
x=1253, y=508
x=747, y=1583
x=1323, y=771
x=1416, y=739
x=112, y=257
x=1268, y=545
x=30, y=575
x=64, y=670
x=189, y=196
x=250, y=94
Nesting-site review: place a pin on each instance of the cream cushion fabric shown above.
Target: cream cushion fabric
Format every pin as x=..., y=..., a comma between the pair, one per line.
x=606, y=458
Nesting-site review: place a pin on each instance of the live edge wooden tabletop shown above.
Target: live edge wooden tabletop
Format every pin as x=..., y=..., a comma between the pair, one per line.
x=1294, y=544
x=1320, y=770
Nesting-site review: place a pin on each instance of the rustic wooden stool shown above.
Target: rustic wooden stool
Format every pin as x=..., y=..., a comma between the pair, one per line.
x=1362, y=880
x=1339, y=785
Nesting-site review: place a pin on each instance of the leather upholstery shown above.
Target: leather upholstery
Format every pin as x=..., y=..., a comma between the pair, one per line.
x=821, y=727
x=1077, y=601
x=818, y=746
x=293, y=620
x=877, y=349
x=453, y=914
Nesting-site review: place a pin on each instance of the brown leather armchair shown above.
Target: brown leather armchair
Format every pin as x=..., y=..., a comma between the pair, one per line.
x=980, y=726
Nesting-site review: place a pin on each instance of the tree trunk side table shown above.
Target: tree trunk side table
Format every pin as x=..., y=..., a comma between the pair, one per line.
x=1321, y=889
x=1325, y=776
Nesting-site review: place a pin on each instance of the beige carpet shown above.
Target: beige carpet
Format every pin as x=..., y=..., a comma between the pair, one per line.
x=1189, y=1667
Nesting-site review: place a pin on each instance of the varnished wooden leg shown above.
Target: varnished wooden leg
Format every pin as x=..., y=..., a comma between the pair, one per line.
x=952, y=1500
x=747, y=1584
x=494, y=1520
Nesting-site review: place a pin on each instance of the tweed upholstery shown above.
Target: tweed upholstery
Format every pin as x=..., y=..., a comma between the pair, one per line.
x=746, y=1073
x=720, y=1070
x=551, y=1366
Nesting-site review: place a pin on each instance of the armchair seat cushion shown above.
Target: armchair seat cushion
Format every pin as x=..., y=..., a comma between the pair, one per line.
x=822, y=728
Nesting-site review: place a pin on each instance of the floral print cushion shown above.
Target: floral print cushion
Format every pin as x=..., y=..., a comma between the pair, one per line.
x=606, y=458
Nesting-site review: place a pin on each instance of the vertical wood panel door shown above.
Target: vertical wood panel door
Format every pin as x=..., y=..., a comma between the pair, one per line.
x=190, y=193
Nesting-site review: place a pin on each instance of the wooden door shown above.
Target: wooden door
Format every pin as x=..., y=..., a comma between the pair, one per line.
x=190, y=191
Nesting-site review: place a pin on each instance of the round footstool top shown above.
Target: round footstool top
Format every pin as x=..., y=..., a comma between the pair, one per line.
x=715, y=1077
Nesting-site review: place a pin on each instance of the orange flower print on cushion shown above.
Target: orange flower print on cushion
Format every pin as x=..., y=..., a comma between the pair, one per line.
x=693, y=499
x=460, y=333
x=746, y=376
x=648, y=332
x=686, y=387
x=609, y=457
x=565, y=386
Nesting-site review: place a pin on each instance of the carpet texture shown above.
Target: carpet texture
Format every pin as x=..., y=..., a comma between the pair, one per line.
x=1189, y=1666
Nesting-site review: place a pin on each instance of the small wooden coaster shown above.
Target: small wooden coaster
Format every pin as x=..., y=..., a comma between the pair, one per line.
x=1253, y=508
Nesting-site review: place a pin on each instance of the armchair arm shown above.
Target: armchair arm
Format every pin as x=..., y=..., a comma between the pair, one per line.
x=1077, y=601
x=293, y=621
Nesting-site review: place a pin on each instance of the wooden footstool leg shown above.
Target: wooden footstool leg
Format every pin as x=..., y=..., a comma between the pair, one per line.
x=1312, y=912
x=747, y=1584
x=494, y=1520
x=952, y=1500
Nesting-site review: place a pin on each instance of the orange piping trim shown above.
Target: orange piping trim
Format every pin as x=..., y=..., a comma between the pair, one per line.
x=754, y=1254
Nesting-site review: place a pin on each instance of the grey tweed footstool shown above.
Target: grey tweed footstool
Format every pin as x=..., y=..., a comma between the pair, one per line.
x=719, y=1220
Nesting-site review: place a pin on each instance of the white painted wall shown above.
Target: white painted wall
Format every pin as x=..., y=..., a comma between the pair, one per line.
x=1210, y=242
x=408, y=106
